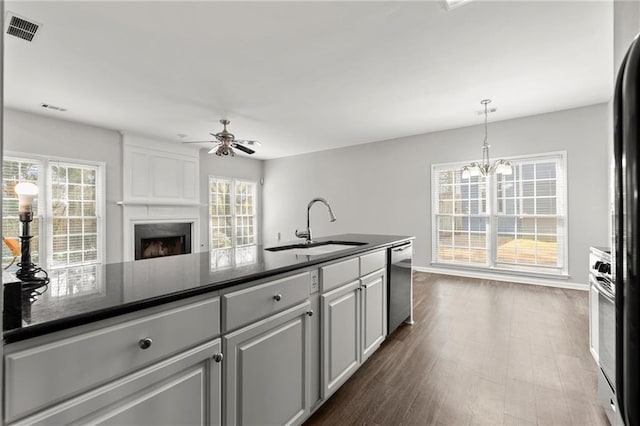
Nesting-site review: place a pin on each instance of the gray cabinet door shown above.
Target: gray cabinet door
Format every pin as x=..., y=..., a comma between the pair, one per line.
x=182, y=390
x=340, y=336
x=374, y=312
x=266, y=370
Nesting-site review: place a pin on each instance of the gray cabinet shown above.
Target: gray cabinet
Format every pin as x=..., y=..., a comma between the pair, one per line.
x=354, y=324
x=374, y=312
x=340, y=336
x=286, y=349
x=266, y=370
x=45, y=371
x=182, y=390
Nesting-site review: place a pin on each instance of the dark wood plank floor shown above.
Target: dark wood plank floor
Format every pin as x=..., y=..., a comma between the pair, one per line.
x=481, y=352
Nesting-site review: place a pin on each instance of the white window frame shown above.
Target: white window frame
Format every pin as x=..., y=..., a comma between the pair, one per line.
x=44, y=200
x=493, y=265
x=233, y=183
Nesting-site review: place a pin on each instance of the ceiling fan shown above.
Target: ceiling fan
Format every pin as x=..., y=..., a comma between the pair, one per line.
x=227, y=141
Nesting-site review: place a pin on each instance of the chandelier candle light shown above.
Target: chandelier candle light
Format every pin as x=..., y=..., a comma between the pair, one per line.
x=486, y=168
x=27, y=271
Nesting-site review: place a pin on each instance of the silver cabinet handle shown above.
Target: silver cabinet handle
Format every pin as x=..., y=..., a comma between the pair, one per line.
x=218, y=357
x=310, y=312
x=277, y=297
x=145, y=343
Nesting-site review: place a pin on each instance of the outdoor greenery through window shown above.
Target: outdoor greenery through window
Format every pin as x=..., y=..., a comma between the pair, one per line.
x=515, y=221
x=68, y=212
x=233, y=230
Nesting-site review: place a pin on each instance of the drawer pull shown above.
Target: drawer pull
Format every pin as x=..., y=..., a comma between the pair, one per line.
x=218, y=357
x=145, y=343
x=277, y=297
x=310, y=312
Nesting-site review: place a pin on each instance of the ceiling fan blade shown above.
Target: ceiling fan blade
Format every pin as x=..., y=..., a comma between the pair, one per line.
x=200, y=142
x=235, y=144
x=248, y=142
x=212, y=150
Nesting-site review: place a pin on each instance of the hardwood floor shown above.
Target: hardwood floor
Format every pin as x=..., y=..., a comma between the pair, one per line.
x=480, y=352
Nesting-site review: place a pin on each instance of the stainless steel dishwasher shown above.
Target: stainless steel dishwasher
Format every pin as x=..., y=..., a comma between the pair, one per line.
x=399, y=288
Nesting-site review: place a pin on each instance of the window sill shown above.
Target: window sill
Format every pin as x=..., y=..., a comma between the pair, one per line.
x=503, y=271
x=508, y=275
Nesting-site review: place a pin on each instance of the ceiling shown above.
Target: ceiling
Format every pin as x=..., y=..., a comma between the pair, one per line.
x=307, y=76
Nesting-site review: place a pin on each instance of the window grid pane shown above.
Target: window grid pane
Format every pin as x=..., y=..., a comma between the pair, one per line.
x=245, y=213
x=461, y=221
x=74, y=219
x=232, y=229
x=13, y=172
x=221, y=215
x=528, y=223
x=521, y=222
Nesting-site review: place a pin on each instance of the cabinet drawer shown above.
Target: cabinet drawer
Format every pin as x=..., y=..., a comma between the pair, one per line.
x=183, y=389
x=373, y=261
x=253, y=303
x=339, y=273
x=44, y=374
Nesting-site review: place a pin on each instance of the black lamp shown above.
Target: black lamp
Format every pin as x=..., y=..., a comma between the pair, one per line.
x=27, y=271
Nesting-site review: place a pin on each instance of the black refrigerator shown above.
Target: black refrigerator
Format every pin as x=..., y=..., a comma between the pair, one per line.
x=626, y=233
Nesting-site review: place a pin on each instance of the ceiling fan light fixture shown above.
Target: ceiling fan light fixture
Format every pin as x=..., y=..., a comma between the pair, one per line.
x=225, y=149
x=227, y=141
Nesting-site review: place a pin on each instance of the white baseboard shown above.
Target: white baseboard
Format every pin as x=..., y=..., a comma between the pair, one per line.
x=503, y=277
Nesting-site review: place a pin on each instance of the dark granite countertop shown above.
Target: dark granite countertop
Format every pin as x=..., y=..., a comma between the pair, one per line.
x=80, y=295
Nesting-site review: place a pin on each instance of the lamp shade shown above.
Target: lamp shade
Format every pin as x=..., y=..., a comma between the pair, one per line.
x=26, y=192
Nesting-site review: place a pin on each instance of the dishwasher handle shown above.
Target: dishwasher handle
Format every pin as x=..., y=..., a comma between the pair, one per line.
x=401, y=248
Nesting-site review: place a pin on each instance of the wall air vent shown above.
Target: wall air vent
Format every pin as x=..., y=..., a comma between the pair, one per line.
x=53, y=107
x=20, y=27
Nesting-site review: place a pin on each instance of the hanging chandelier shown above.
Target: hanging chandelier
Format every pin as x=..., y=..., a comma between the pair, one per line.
x=486, y=168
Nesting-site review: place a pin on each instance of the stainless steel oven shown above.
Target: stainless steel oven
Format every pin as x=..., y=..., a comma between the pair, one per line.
x=606, y=328
x=601, y=279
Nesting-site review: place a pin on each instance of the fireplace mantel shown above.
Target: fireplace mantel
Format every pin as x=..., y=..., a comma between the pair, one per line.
x=160, y=185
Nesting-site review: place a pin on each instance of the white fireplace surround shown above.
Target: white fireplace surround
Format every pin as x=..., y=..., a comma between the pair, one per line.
x=160, y=185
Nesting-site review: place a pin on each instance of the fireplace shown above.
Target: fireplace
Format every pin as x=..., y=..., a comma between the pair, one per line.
x=161, y=239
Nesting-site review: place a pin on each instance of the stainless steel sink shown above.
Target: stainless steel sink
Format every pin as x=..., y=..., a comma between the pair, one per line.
x=314, y=249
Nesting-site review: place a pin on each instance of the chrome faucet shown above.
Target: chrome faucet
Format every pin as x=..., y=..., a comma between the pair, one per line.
x=307, y=234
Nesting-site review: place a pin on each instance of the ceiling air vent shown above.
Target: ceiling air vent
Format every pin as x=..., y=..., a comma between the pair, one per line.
x=21, y=28
x=53, y=107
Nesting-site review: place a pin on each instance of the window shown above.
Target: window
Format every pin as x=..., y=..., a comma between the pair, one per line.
x=69, y=211
x=233, y=231
x=515, y=221
x=74, y=215
x=15, y=170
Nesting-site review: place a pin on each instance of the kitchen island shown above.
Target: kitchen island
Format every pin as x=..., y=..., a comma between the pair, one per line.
x=272, y=339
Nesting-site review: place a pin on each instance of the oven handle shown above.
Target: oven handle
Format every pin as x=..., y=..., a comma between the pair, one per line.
x=602, y=290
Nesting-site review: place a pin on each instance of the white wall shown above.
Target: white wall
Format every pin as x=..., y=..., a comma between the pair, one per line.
x=37, y=134
x=626, y=25
x=231, y=167
x=385, y=187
